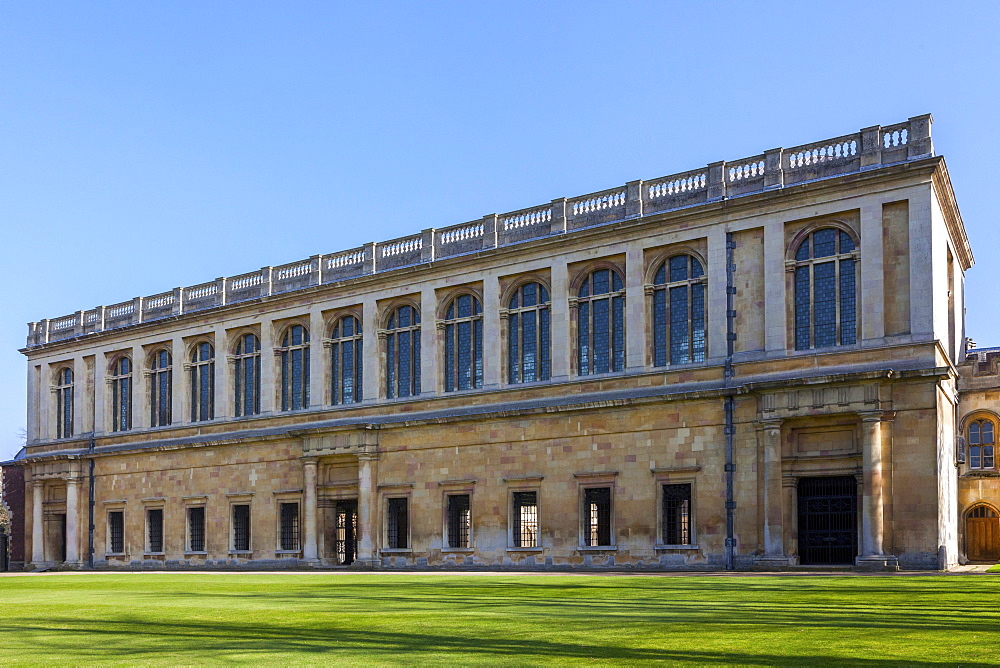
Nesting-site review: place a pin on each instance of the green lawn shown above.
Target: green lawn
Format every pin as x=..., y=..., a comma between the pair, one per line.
x=381, y=619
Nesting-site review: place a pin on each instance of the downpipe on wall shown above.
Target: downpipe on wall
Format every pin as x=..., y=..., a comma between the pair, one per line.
x=730, y=428
x=90, y=507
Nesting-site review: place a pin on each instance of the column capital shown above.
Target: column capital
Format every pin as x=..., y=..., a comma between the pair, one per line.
x=770, y=424
x=789, y=481
x=872, y=416
x=309, y=460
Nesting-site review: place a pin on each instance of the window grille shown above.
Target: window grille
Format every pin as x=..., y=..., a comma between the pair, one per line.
x=160, y=389
x=397, y=520
x=64, y=403
x=597, y=509
x=402, y=353
x=525, y=515
x=600, y=313
x=154, y=529
x=121, y=394
x=295, y=369
x=980, y=512
x=463, y=344
x=289, y=526
x=196, y=529
x=679, y=312
x=459, y=520
x=241, y=528
x=202, y=382
x=677, y=514
x=246, y=372
x=346, y=543
x=346, y=361
x=528, y=344
x=116, y=531
x=981, y=444
x=825, y=290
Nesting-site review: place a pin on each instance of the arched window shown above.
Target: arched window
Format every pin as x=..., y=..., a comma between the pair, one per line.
x=528, y=346
x=246, y=374
x=64, y=403
x=981, y=441
x=679, y=311
x=202, y=382
x=600, y=313
x=121, y=394
x=345, y=361
x=402, y=353
x=463, y=344
x=825, y=290
x=160, y=389
x=295, y=368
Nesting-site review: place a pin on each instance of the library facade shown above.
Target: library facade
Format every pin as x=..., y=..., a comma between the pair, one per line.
x=755, y=364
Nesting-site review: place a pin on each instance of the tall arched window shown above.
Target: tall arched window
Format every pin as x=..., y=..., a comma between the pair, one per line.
x=463, y=344
x=160, y=389
x=825, y=290
x=679, y=311
x=345, y=361
x=600, y=313
x=402, y=353
x=295, y=368
x=528, y=346
x=64, y=403
x=246, y=374
x=981, y=441
x=202, y=382
x=121, y=394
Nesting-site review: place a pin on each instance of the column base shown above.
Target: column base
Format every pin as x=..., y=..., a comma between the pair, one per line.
x=877, y=562
x=778, y=562
x=366, y=563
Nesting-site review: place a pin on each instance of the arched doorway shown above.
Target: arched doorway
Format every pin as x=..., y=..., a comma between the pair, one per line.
x=982, y=534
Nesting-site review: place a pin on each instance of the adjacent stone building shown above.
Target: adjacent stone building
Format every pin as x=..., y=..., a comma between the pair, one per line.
x=750, y=364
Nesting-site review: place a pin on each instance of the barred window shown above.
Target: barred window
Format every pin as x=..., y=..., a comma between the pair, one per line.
x=524, y=513
x=121, y=394
x=116, y=532
x=196, y=529
x=600, y=313
x=528, y=344
x=679, y=312
x=597, y=516
x=289, y=526
x=64, y=403
x=154, y=530
x=295, y=369
x=402, y=353
x=459, y=520
x=463, y=344
x=677, y=514
x=241, y=528
x=246, y=375
x=825, y=290
x=981, y=444
x=397, y=523
x=160, y=389
x=202, y=372
x=345, y=361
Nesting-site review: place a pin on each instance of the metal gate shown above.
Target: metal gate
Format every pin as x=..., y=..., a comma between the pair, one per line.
x=828, y=520
x=347, y=532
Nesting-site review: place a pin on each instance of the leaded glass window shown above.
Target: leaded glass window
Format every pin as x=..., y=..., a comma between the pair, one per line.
x=295, y=368
x=202, y=374
x=160, y=389
x=459, y=520
x=463, y=344
x=528, y=339
x=402, y=353
x=981, y=444
x=677, y=514
x=600, y=313
x=826, y=310
x=397, y=523
x=345, y=361
x=64, y=403
x=524, y=516
x=246, y=375
x=597, y=516
x=679, y=312
x=121, y=394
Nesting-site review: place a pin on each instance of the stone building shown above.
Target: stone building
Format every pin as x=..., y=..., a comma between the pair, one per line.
x=750, y=364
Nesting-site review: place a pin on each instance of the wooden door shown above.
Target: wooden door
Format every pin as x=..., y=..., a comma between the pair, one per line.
x=982, y=534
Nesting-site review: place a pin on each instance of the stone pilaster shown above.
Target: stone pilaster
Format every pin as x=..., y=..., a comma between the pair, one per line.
x=37, y=527
x=310, y=552
x=772, y=512
x=367, y=503
x=73, y=520
x=872, y=517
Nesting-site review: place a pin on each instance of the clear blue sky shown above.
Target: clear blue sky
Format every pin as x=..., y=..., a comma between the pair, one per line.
x=148, y=145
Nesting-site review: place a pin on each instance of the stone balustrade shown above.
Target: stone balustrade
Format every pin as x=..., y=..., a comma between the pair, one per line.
x=869, y=148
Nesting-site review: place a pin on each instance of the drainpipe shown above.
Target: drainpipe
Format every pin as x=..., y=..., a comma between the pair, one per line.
x=90, y=509
x=730, y=428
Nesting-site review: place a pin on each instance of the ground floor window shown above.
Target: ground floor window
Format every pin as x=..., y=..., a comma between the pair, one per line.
x=597, y=516
x=241, y=528
x=154, y=530
x=459, y=520
x=397, y=523
x=196, y=529
x=116, y=532
x=677, y=514
x=289, y=529
x=346, y=543
x=524, y=516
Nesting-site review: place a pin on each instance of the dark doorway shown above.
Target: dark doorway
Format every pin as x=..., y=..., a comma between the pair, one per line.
x=4, y=564
x=347, y=531
x=828, y=520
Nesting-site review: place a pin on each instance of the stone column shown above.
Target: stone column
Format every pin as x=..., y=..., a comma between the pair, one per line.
x=773, y=514
x=872, y=521
x=367, y=462
x=72, y=520
x=37, y=528
x=309, y=549
x=791, y=488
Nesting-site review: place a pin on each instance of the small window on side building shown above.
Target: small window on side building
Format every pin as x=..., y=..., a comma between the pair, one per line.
x=459, y=520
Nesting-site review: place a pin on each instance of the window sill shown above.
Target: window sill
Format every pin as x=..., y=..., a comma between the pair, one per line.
x=675, y=547
x=196, y=554
x=285, y=553
x=240, y=553
x=525, y=549
x=981, y=473
x=396, y=550
x=459, y=550
x=114, y=554
x=149, y=555
x=598, y=548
